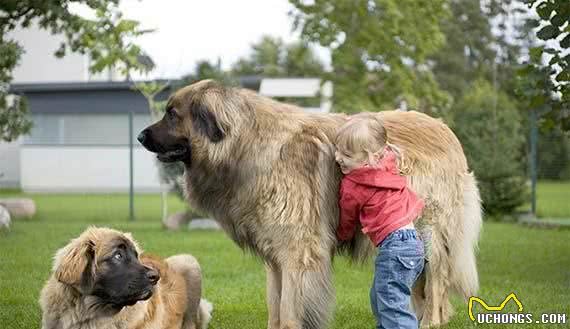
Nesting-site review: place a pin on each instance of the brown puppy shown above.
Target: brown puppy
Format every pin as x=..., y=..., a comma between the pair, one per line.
x=100, y=280
x=266, y=172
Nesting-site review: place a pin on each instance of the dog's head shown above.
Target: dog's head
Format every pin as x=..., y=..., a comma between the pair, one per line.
x=104, y=266
x=196, y=117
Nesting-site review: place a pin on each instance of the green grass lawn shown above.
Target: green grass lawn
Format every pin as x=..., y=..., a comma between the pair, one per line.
x=533, y=263
x=553, y=199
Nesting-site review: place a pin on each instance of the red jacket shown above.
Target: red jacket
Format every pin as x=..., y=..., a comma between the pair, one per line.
x=379, y=199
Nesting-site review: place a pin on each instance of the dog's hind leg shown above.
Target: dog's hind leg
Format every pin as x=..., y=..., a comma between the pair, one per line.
x=463, y=241
x=452, y=262
x=273, y=296
x=188, y=266
x=437, y=308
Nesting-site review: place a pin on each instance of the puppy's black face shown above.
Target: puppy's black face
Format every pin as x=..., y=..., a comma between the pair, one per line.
x=120, y=279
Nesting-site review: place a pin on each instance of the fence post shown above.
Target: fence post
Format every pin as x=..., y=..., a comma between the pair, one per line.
x=533, y=158
x=131, y=168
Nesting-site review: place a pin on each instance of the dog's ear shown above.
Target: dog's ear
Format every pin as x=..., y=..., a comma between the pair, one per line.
x=72, y=260
x=155, y=263
x=134, y=242
x=205, y=122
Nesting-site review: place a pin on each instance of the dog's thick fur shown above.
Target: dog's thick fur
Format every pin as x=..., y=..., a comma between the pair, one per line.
x=69, y=299
x=266, y=172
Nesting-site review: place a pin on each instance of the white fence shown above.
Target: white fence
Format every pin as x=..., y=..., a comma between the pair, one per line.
x=62, y=168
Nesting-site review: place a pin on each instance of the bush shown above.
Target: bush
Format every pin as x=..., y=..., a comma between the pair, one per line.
x=489, y=127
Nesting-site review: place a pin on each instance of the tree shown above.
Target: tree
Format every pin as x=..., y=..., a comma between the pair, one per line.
x=271, y=57
x=380, y=50
x=106, y=39
x=535, y=90
x=205, y=69
x=150, y=90
x=467, y=54
x=14, y=119
x=553, y=21
x=512, y=39
x=265, y=59
x=168, y=172
x=301, y=61
x=484, y=40
x=489, y=127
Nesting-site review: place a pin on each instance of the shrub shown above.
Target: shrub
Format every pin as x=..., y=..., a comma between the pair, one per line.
x=489, y=127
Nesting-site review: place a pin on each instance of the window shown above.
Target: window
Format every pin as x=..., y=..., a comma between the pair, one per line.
x=84, y=129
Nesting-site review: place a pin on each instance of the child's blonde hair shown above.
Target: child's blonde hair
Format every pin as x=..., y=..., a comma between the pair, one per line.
x=361, y=137
x=364, y=135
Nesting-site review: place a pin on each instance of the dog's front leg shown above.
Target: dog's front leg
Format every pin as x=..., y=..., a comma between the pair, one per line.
x=291, y=304
x=307, y=295
x=50, y=321
x=273, y=296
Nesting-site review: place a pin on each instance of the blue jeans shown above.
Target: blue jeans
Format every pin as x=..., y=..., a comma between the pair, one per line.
x=399, y=262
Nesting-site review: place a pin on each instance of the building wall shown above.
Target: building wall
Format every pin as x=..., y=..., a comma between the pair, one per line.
x=39, y=64
x=85, y=153
x=85, y=129
x=10, y=165
x=61, y=168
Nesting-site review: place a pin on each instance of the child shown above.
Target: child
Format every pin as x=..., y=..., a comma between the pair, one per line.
x=373, y=194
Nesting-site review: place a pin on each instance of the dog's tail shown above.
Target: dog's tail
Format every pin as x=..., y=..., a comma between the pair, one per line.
x=464, y=277
x=204, y=313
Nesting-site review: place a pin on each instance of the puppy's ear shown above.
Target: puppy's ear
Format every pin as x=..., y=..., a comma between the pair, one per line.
x=134, y=242
x=155, y=263
x=72, y=260
x=205, y=123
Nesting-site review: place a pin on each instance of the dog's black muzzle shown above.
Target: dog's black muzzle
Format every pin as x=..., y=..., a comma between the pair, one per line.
x=167, y=148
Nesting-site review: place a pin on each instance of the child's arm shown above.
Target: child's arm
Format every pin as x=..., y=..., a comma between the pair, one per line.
x=349, y=209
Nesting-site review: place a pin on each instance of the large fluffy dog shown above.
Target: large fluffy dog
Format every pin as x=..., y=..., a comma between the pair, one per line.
x=266, y=171
x=99, y=281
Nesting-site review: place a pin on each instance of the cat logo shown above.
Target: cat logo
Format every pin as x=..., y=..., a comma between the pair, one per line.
x=498, y=317
x=473, y=299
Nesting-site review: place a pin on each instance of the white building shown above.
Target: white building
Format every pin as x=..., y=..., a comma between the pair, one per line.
x=39, y=65
x=65, y=138
x=80, y=138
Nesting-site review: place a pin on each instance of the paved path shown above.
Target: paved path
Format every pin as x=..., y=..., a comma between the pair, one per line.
x=545, y=222
x=203, y=224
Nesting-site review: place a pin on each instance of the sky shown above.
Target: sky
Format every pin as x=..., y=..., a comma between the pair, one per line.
x=187, y=31
x=191, y=30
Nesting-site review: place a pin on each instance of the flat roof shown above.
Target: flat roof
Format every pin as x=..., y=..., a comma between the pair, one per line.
x=250, y=82
x=71, y=86
x=98, y=97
